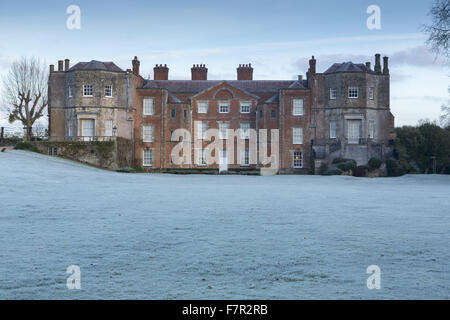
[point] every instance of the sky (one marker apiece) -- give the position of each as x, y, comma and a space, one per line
276, 37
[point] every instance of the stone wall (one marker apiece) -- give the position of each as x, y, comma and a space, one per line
110, 155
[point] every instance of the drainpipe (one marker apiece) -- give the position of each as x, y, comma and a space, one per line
130, 118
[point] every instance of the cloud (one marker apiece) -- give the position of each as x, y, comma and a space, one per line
420, 56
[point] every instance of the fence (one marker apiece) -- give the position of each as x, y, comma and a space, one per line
8, 132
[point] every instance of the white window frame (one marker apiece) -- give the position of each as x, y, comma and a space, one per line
244, 157
147, 136
296, 161
333, 93
353, 92
297, 135
202, 106
333, 129
371, 128
245, 130
201, 129
70, 92
351, 137
201, 157
85, 128
148, 157
88, 88
224, 104
108, 89
245, 104
371, 93
148, 110
108, 128
70, 128
223, 130
296, 111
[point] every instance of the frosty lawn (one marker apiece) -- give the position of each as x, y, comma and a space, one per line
212, 237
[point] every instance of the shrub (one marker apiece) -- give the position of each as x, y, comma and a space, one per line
332, 171
345, 164
374, 163
394, 169
138, 169
26, 146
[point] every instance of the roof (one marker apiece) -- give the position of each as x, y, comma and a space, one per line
96, 65
194, 86
348, 67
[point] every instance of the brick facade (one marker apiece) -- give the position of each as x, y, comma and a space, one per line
302, 110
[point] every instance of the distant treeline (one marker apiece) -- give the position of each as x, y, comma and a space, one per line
423, 149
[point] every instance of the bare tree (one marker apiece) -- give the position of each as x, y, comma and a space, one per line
25, 92
439, 30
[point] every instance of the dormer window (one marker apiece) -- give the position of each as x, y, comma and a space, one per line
87, 90
353, 92
108, 91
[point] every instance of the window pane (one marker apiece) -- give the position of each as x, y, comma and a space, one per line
354, 131
353, 92
108, 128
297, 135
332, 129
147, 133
245, 130
148, 106
202, 107
297, 107
148, 157
224, 107
297, 159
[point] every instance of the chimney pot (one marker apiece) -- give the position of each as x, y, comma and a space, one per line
368, 65
385, 65
161, 72
199, 72
245, 72
66, 64
60, 65
52, 68
136, 65
377, 67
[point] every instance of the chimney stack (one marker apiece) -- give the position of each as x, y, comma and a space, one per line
377, 68
245, 72
368, 65
161, 72
52, 68
312, 67
66, 65
60, 65
135, 62
199, 72
385, 65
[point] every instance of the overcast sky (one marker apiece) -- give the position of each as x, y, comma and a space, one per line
277, 37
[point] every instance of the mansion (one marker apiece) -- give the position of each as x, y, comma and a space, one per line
343, 112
